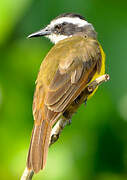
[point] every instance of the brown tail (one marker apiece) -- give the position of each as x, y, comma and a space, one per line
39, 147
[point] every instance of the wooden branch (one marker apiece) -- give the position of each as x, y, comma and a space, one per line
62, 122
57, 129
27, 174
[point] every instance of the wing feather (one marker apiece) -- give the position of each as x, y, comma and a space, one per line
58, 100
74, 71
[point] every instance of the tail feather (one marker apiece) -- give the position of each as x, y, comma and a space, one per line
29, 165
39, 147
46, 145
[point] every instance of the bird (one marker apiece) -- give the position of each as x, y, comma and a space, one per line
75, 60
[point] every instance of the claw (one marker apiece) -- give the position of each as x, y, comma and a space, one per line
69, 121
85, 102
54, 138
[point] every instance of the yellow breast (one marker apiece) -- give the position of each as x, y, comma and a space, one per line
102, 70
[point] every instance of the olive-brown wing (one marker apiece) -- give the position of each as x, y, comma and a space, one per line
66, 86
73, 73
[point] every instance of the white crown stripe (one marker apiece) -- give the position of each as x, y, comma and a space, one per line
78, 21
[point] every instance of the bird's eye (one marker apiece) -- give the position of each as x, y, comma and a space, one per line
58, 28
64, 23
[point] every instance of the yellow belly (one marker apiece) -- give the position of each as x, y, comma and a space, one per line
102, 70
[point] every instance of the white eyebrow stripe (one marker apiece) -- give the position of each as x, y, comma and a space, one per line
78, 21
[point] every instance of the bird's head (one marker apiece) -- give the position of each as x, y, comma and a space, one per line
64, 26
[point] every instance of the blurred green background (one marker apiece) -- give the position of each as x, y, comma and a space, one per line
94, 147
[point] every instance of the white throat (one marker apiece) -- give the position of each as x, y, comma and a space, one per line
54, 38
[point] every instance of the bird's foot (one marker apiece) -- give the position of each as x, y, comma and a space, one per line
85, 102
54, 138
69, 121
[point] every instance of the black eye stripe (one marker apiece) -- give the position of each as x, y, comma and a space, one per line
60, 25
64, 23
67, 28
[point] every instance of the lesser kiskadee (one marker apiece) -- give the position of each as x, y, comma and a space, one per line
75, 60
